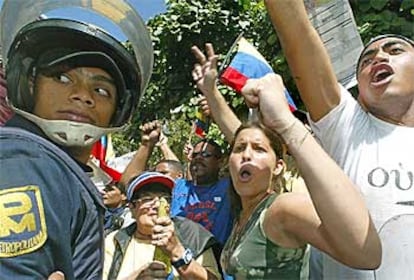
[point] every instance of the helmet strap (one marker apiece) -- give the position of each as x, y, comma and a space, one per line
69, 133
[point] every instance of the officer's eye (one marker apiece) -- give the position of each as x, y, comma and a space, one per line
103, 92
62, 78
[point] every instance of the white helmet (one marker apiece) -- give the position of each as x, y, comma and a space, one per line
48, 42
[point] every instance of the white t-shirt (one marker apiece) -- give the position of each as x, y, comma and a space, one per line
379, 159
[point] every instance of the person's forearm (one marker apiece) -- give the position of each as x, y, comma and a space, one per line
222, 114
167, 152
306, 55
344, 216
138, 163
195, 271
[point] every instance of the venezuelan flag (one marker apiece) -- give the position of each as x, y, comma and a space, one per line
246, 64
201, 125
102, 150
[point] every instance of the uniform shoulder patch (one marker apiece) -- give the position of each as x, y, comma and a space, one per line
22, 221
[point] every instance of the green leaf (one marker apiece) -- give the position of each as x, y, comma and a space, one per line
378, 4
406, 4
364, 6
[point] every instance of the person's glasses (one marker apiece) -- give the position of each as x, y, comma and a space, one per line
150, 199
204, 154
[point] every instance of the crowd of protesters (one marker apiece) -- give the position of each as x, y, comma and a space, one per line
179, 220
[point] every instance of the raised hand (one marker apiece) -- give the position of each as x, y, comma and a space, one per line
188, 151
164, 237
267, 94
205, 70
151, 132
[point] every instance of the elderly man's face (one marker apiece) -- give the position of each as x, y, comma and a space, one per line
84, 94
145, 208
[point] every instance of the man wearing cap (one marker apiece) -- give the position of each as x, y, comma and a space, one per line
69, 83
129, 252
370, 138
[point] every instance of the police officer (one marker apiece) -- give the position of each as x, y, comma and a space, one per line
69, 83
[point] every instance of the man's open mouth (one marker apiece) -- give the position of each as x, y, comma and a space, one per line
381, 75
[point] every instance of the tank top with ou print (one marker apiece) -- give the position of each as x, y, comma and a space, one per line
250, 255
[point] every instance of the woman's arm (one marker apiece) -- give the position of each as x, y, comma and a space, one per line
338, 222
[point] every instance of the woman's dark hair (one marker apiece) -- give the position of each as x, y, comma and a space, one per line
278, 182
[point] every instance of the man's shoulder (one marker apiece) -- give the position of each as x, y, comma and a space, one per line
17, 138
181, 184
41, 159
223, 182
20, 144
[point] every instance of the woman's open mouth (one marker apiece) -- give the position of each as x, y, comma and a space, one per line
245, 173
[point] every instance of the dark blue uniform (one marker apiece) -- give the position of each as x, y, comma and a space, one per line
51, 215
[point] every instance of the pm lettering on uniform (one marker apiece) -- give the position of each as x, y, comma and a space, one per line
22, 221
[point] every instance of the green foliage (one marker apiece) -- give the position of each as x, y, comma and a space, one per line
377, 17
196, 22
186, 23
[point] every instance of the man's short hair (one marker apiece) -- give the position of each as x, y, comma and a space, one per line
120, 187
173, 164
380, 37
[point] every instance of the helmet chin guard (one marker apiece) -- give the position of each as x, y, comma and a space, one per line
69, 133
